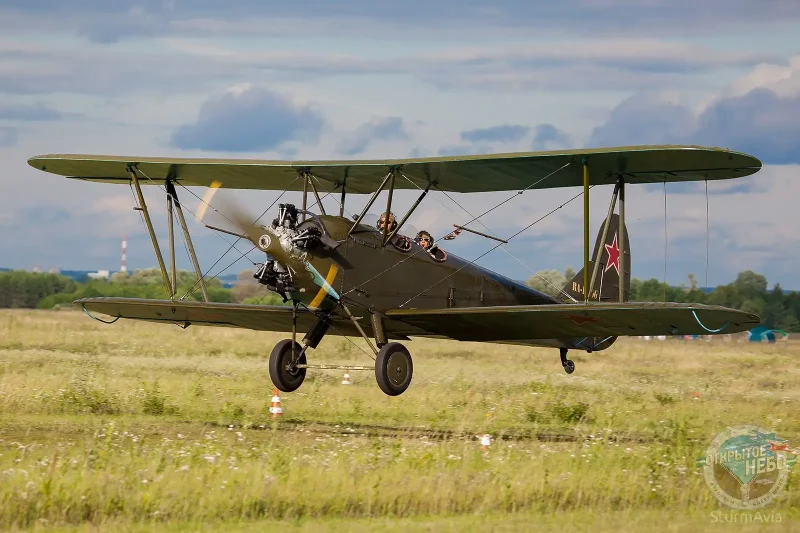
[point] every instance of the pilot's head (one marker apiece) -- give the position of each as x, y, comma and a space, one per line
382, 222
424, 239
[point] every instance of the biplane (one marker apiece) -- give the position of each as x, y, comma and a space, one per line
346, 276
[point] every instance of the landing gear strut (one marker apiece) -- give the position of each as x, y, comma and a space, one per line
393, 365
568, 364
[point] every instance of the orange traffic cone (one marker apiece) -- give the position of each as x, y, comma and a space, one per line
275, 406
346, 380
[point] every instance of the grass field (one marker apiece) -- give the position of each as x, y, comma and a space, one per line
137, 426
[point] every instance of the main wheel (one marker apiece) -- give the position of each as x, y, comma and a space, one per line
279, 359
393, 368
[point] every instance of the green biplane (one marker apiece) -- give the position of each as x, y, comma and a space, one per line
347, 277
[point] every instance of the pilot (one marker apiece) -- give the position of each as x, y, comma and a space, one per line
425, 240
382, 222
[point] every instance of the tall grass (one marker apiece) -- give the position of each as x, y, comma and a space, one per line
136, 422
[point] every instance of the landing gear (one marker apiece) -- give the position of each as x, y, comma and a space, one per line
393, 368
393, 365
283, 369
568, 364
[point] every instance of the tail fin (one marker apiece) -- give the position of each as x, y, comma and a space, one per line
606, 284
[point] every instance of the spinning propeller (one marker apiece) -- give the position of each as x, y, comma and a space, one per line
287, 245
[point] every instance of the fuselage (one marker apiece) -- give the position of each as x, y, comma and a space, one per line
379, 278
369, 276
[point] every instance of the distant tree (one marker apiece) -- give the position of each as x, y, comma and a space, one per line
119, 277
750, 285
775, 309
248, 287
266, 299
145, 283
20, 289
548, 281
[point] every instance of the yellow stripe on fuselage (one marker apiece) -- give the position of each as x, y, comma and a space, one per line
332, 271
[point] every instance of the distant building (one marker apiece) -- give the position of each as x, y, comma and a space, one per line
100, 274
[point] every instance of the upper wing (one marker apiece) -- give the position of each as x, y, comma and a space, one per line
472, 173
256, 317
564, 321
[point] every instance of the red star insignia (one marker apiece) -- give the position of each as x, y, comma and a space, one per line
580, 319
613, 255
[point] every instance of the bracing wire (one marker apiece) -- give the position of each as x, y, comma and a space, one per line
494, 247
535, 183
242, 256
665, 241
379, 274
232, 245
520, 261
337, 330
708, 236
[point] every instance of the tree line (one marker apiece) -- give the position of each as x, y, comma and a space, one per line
21, 289
749, 292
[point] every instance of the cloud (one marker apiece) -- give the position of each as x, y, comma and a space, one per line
645, 118
760, 122
30, 113
249, 119
464, 149
41, 215
485, 140
185, 64
378, 129
502, 134
100, 21
549, 137
8, 136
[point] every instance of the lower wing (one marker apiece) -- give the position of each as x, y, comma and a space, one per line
565, 321
182, 313
514, 324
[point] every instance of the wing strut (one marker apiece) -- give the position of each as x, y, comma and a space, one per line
585, 229
171, 225
195, 263
622, 262
344, 184
310, 178
143, 208
371, 201
611, 207
410, 211
388, 208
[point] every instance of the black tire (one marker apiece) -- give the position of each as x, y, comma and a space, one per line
569, 366
281, 356
393, 369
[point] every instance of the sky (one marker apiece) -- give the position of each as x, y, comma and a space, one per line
361, 79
